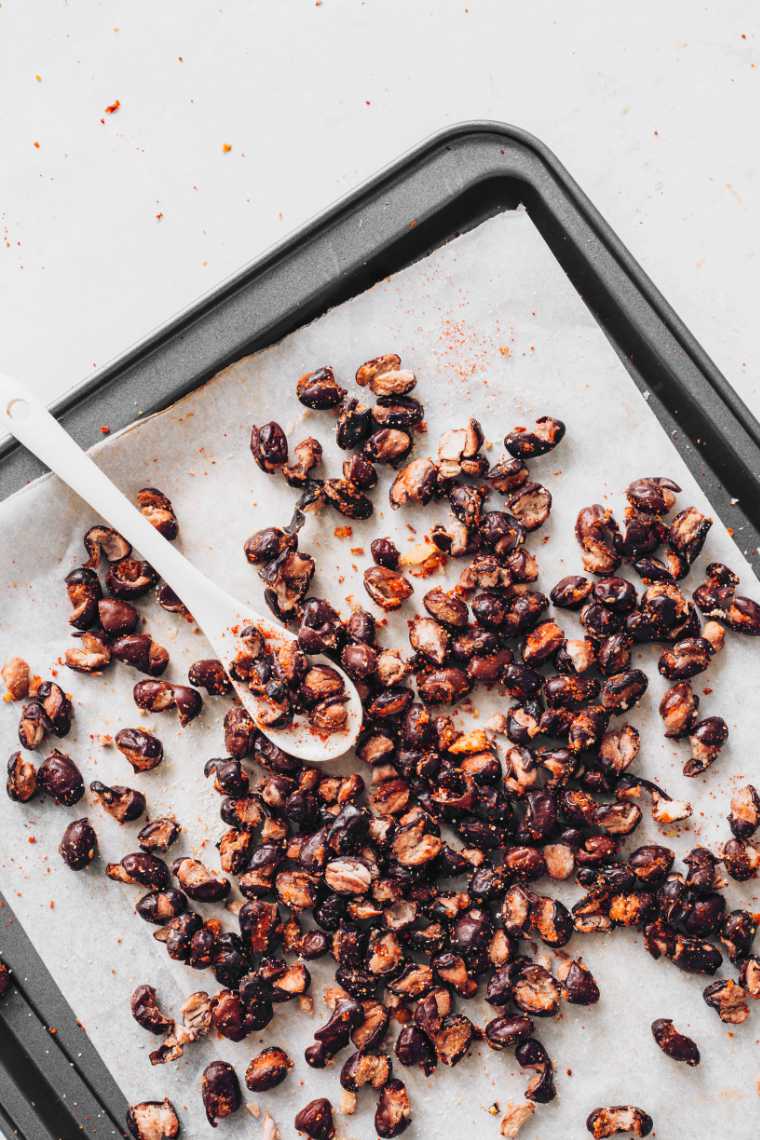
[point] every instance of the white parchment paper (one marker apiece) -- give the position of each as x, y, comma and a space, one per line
492, 328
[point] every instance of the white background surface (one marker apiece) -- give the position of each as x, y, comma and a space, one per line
653, 107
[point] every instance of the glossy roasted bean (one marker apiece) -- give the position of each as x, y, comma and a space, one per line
143, 750
79, 844
706, 738
741, 859
393, 1114
679, 709
599, 538
315, 1120
84, 591
531, 1054
744, 816
686, 659
158, 510
104, 542
617, 594
429, 638
140, 869
60, 778
130, 578
147, 1013
384, 553
159, 834
527, 443
653, 495
415, 483
161, 907
346, 498
220, 1091
387, 588
603, 1122
743, 616
354, 424
729, 1000
210, 674
268, 544
542, 642
531, 505
319, 389
124, 804
500, 533
619, 747
623, 690
269, 447
443, 686
674, 1044
21, 785
572, 592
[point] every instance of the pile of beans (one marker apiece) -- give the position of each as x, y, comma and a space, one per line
421, 873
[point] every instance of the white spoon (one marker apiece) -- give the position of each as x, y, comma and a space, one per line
214, 610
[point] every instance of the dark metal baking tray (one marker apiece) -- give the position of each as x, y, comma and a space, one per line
54, 1085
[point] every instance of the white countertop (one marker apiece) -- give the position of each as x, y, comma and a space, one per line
111, 223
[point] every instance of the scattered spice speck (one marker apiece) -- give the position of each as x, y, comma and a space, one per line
112, 108
226, 148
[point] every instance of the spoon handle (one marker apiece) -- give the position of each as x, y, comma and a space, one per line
26, 418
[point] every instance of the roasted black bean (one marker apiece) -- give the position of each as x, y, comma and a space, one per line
315, 1120
387, 588
269, 447
143, 750
267, 1069
210, 674
354, 424
572, 592
153, 1120
686, 659
79, 844
319, 389
104, 542
268, 544
84, 590
706, 739
59, 778
527, 443
687, 533
220, 1090
729, 1000
124, 804
158, 510
743, 616
130, 578
599, 538
21, 785
622, 690
393, 1114
618, 1118
744, 817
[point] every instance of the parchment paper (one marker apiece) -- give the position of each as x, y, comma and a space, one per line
492, 328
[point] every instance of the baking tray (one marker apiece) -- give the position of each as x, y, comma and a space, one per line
53, 1084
